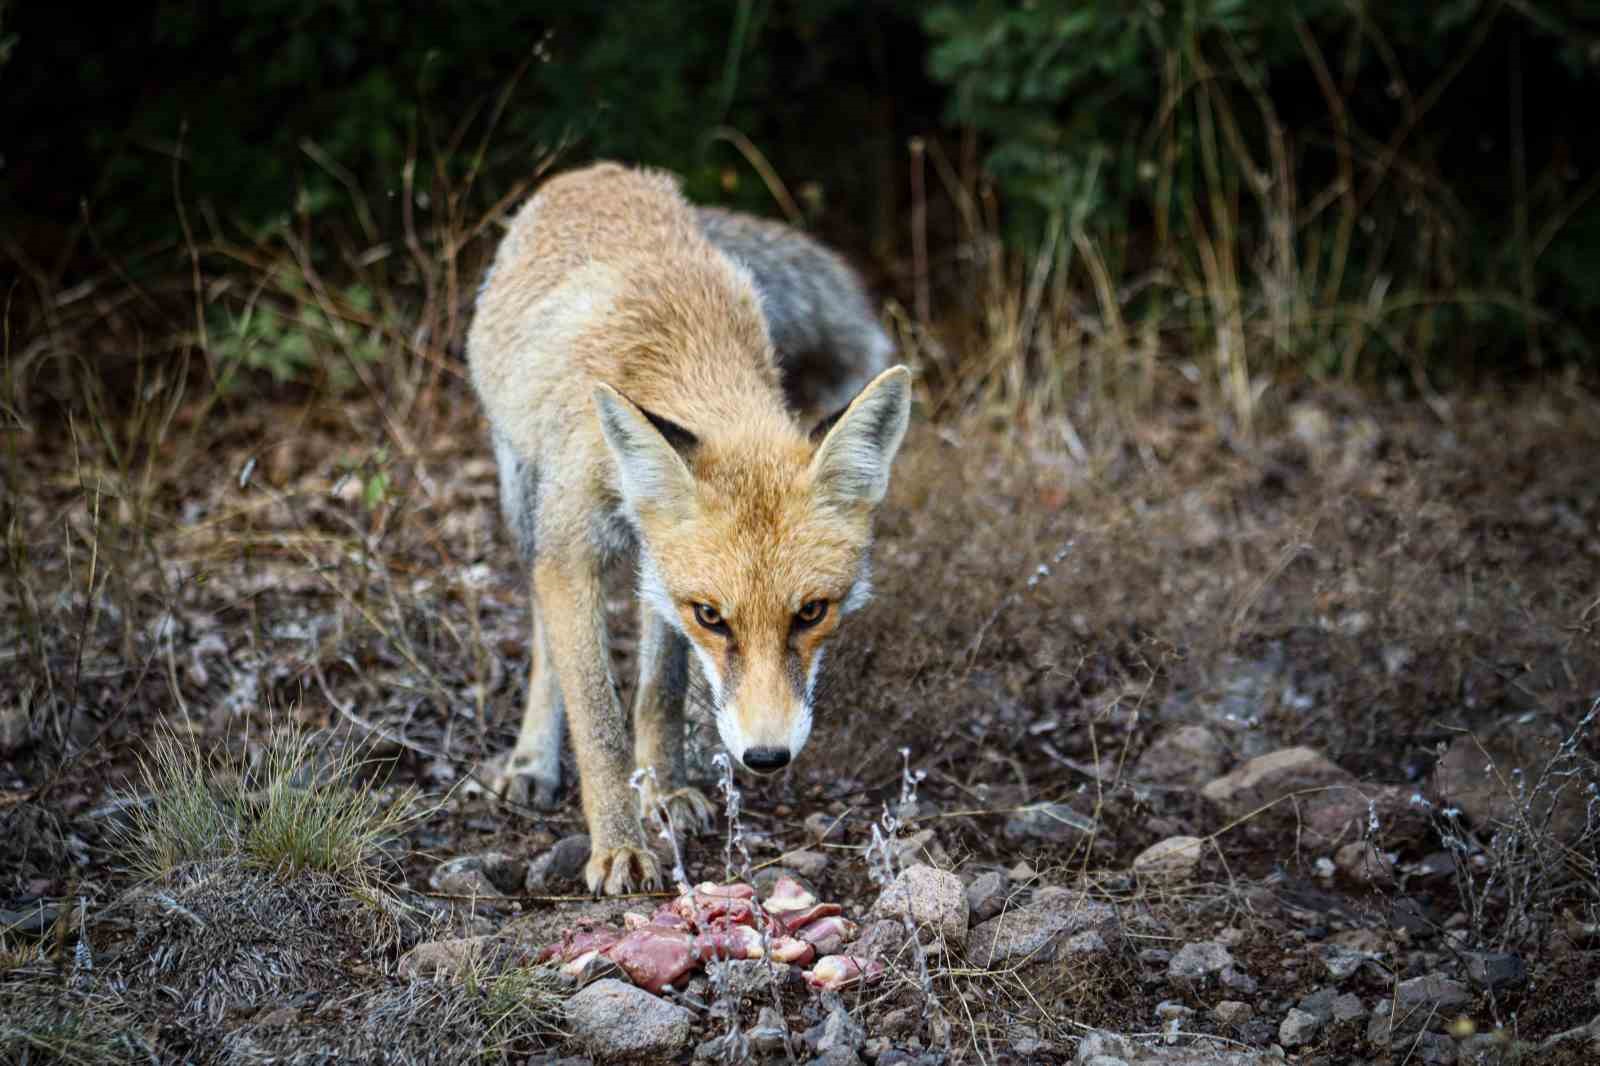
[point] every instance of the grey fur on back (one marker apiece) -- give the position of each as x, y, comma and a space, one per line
829, 342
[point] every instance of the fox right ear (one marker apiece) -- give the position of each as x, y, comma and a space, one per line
649, 452
851, 465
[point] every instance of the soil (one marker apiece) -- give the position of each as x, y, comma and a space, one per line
1368, 579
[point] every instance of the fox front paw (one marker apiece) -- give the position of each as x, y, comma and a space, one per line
619, 871
526, 778
687, 809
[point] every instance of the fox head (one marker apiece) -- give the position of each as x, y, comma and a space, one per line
754, 543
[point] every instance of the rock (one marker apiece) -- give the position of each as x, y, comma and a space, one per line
1272, 776
1430, 999
1337, 816
1102, 1045
1199, 960
1233, 1012
1342, 962
1496, 971
987, 894
1040, 931
1435, 1049
1298, 1027
615, 1020
1187, 756
930, 898
806, 863
880, 940
559, 870
822, 827
839, 1056
1169, 861
837, 1030
921, 847
770, 1035
1328, 1005
493, 873
1053, 822
1022, 873
1170, 1009
1484, 775
447, 958
746, 978
15, 728
1364, 864
1237, 981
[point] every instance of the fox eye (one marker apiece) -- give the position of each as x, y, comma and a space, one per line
810, 613
710, 617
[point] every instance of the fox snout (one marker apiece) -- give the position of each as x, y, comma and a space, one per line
766, 743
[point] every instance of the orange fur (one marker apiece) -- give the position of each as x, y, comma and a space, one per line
635, 400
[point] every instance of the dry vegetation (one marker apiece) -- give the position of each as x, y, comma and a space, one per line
1078, 557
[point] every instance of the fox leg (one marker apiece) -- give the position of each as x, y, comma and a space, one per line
658, 723
531, 772
568, 586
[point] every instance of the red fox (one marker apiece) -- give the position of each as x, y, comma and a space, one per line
636, 405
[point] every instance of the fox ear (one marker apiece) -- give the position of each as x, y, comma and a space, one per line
649, 451
851, 465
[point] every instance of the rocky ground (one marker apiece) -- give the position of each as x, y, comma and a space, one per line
1214, 753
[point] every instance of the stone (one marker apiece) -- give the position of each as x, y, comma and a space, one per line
746, 978
1170, 1009
806, 863
1271, 777
1187, 757
770, 1035
1434, 1049
1480, 775
1039, 931
1237, 981
987, 895
491, 874
447, 958
1050, 822
1298, 1027
615, 1020
1364, 864
1496, 971
1199, 959
838, 1056
559, 870
837, 1030
1429, 999
1170, 861
921, 847
1330, 1006
930, 898
881, 940
1341, 962
822, 827
1233, 1012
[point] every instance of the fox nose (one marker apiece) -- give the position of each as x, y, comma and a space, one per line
766, 760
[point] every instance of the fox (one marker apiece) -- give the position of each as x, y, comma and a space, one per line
623, 351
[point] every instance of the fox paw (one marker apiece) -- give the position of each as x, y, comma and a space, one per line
688, 808
619, 871
525, 778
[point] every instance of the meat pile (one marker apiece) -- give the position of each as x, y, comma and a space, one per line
712, 921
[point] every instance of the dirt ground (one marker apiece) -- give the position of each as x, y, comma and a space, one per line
1368, 580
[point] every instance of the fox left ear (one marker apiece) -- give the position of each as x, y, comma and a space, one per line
649, 451
851, 465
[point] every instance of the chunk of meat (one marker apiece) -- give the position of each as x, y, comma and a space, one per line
841, 971
654, 956
728, 940
788, 949
829, 934
799, 919
577, 941
788, 895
